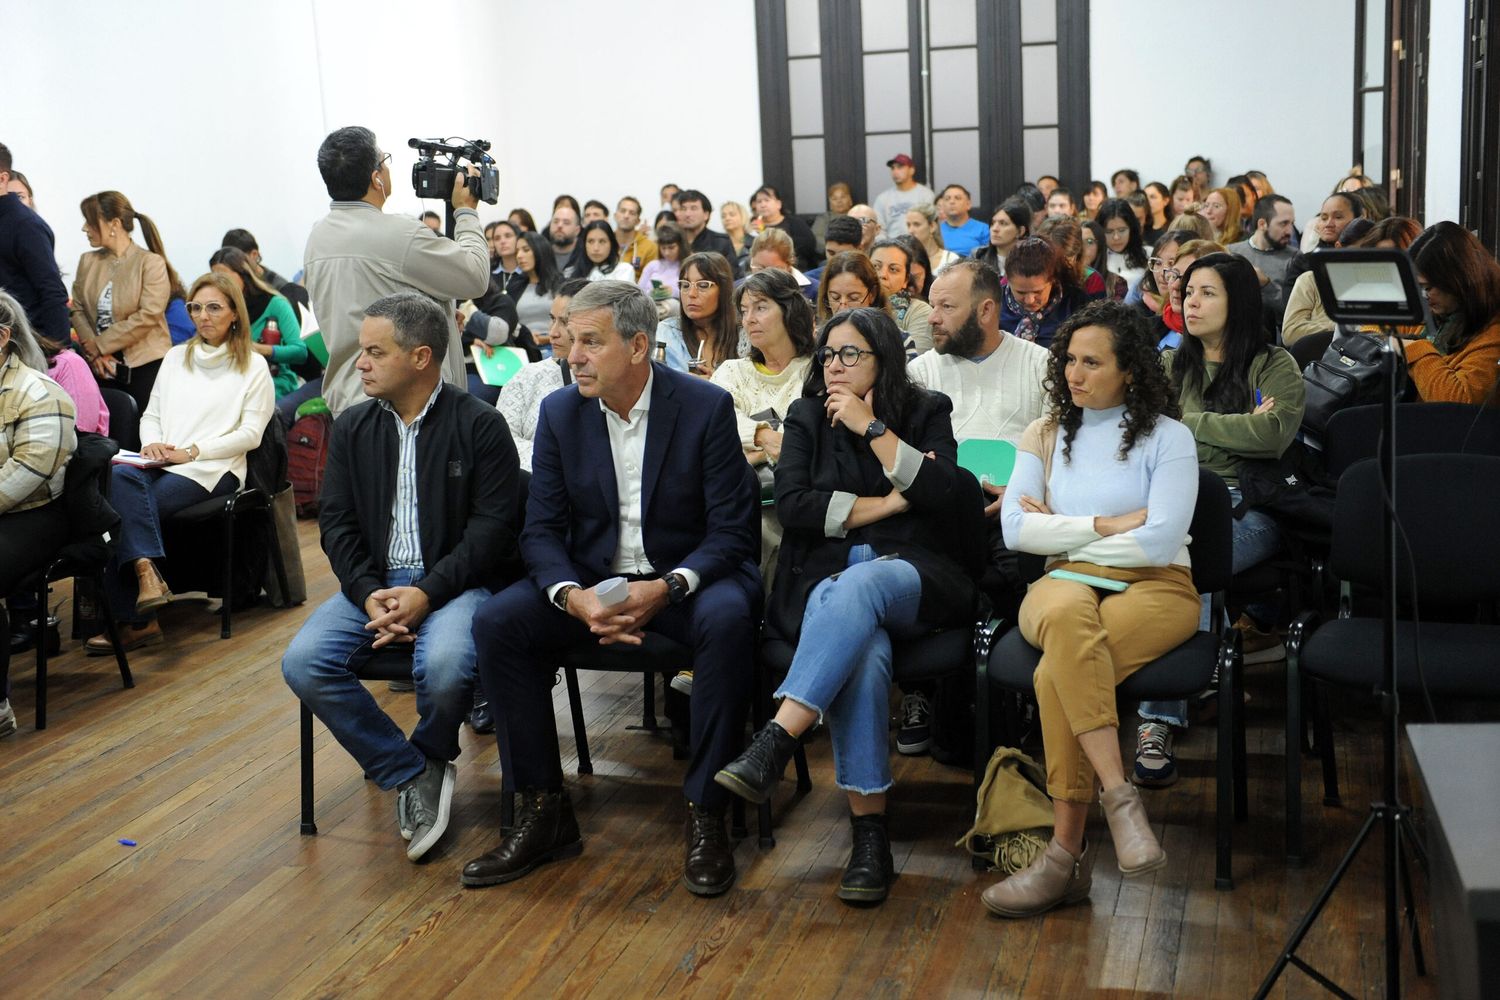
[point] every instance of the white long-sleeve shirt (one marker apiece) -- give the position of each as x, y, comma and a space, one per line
215, 406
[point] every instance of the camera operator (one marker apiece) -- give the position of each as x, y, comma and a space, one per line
357, 254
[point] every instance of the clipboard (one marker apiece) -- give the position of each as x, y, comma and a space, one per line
990, 459
500, 367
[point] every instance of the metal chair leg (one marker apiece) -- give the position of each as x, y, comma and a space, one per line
737, 827
225, 608
1224, 767
1323, 735
580, 735
112, 630
1293, 750
41, 654
309, 828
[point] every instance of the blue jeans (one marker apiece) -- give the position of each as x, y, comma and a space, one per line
842, 667
316, 668
144, 498
1256, 537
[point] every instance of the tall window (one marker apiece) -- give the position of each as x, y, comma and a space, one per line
980, 93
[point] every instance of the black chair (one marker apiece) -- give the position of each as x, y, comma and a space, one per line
1007, 662
86, 555
253, 498
1421, 429
1446, 559
1310, 348
124, 421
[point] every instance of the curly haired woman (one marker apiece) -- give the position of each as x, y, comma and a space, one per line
1104, 485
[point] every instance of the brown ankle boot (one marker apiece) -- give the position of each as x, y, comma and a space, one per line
131, 637
1054, 878
152, 590
1136, 847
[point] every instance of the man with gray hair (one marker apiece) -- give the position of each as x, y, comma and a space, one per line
418, 518
636, 473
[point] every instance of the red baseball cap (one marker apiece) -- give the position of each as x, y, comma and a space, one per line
901, 158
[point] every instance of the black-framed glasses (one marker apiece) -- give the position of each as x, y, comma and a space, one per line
383, 161
848, 356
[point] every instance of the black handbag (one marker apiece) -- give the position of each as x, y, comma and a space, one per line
1348, 374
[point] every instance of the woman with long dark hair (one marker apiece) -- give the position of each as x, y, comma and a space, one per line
1010, 224
536, 261
893, 260
1122, 238
1160, 212
1462, 284
883, 534
1104, 485
848, 282
597, 255
266, 306
1040, 291
1243, 400
708, 331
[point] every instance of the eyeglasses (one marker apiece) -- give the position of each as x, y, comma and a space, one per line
383, 161
212, 308
848, 356
1194, 171
1170, 274
839, 300
703, 286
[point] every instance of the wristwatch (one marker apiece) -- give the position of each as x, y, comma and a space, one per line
876, 428
561, 597
677, 588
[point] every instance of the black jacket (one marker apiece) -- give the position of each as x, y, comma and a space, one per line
719, 244
467, 498
942, 535
28, 269
803, 240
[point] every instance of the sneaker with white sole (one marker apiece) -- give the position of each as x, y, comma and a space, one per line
682, 683
1257, 646
915, 735
7, 717
1155, 765
429, 800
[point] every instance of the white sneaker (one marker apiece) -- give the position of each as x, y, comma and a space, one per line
7, 718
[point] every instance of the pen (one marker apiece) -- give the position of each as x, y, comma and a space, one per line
1257, 397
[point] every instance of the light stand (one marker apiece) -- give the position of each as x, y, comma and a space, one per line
1364, 287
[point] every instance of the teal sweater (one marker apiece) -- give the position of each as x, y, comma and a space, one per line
291, 351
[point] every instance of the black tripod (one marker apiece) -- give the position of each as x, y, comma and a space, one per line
1387, 812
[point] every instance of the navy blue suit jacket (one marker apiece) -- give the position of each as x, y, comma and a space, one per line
698, 501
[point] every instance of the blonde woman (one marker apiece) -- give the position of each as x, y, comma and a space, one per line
922, 222
209, 406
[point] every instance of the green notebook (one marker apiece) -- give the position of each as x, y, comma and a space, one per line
497, 368
314, 342
991, 460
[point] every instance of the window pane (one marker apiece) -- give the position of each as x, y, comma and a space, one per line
805, 79
1039, 146
801, 28
1374, 137
1039, 85
1375, 50
1038, 20
878, 149
884, 23
955, 160
955, 88
807, 175
951, 22
887, 93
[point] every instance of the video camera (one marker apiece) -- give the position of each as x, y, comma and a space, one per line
434, 179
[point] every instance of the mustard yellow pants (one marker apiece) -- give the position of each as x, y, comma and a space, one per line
1091, 640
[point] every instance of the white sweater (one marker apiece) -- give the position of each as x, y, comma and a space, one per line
995, 398
215, 406
754, 390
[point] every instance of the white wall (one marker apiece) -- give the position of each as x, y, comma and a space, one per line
1263, 86
209, 117
1445, 110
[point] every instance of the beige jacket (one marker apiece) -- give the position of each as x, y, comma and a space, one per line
357, 254
139, 300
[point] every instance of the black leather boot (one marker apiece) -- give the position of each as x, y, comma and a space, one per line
753, 773
871, 870
708, 867
545, 831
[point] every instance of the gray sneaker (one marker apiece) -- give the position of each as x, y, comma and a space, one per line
429, 797
403, 821
7, 717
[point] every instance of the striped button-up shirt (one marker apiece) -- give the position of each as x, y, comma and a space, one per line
36, 436
404, 550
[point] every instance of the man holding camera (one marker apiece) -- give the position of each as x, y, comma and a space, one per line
357, 254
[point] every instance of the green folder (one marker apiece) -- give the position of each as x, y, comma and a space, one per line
497, 368
991, 460
314, 342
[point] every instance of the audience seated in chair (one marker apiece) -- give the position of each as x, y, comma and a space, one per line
882, 541
521, 402
36, 438
636, 472
418, 518
209, 407
1104, 486
1462, 282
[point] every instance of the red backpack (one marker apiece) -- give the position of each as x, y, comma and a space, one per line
307, 453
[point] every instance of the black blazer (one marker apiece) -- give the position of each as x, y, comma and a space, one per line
467, 498
942, 535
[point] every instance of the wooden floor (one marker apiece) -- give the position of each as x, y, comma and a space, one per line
221, 897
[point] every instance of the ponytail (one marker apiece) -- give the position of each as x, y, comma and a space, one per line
154, 244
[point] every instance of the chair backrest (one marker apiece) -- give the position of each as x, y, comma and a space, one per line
124, 421
266, 463
1445, 505
1421, 429
1310, 348
86, 487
